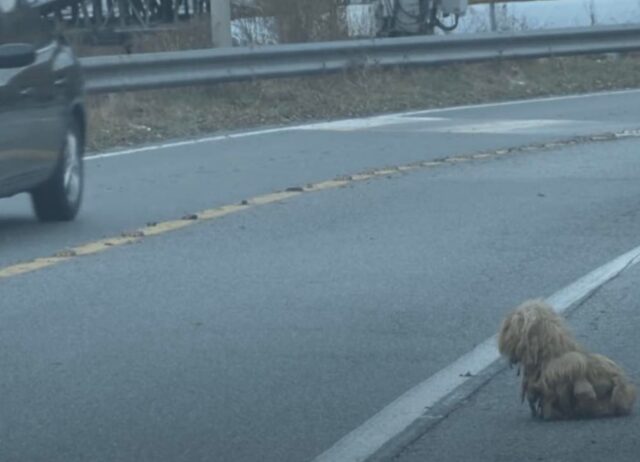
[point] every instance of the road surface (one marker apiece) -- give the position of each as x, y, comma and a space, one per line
273, 331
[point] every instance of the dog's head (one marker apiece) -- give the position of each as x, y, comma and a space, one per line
533, 333
513, 332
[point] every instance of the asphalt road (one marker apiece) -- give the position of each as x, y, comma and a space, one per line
272, 332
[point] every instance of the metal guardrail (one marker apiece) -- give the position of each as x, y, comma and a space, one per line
174, 69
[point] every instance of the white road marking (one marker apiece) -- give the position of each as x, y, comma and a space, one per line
177, 144
365, 123
364, 441
497, 126
210, 139
547, 99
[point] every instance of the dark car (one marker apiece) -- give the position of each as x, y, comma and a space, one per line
42, 116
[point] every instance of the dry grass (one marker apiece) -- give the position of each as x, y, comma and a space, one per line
134, 118
180, 36
191, 35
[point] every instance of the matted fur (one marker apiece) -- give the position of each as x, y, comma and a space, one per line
560, 379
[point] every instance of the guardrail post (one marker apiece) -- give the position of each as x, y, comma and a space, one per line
492, 16
221, 23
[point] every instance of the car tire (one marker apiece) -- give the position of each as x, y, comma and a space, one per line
59, 198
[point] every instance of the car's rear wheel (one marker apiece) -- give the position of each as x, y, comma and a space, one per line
59, 198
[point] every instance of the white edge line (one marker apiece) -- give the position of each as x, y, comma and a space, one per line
364, 441
210, 139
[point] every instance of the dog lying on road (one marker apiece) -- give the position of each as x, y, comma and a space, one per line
560, 379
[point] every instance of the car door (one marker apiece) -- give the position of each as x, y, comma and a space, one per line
31, 118
12, 115
9, 138
47, 81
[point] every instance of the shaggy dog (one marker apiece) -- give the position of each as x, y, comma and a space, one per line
560, 379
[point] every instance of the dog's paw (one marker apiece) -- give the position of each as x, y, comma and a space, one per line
535, 405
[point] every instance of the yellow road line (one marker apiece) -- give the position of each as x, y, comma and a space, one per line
273, 197
34, 265
155, 229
